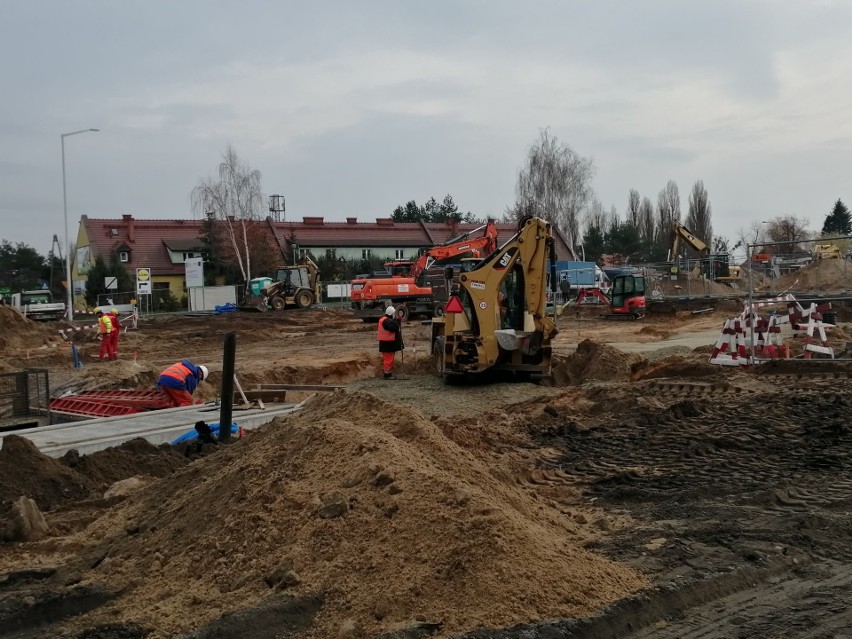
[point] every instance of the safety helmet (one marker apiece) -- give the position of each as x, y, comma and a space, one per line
204, 372
390, 310
114, 311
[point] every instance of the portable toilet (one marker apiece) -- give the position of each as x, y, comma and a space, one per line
258, 284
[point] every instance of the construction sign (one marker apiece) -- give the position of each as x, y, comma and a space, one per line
143, 281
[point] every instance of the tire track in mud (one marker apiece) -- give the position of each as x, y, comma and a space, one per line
723, 481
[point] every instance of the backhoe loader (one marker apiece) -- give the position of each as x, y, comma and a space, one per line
495, 318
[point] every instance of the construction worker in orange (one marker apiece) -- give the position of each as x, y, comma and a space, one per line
390, 340
116, 332
105, 335
180, 380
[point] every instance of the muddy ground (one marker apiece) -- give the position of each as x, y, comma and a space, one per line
637, 494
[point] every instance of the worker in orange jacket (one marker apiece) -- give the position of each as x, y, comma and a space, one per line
116, 332
105, 335
180, 380
390, 340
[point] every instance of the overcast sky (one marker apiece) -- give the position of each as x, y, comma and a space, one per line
351, 108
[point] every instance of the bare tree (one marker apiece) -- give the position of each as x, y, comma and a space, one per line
668, 207
633, 206
596, 216
754, 235
698, 219
235, 200
647, 228
790, 230
556, 184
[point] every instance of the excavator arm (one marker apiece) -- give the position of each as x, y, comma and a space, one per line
681, 233
497, 318
487, 243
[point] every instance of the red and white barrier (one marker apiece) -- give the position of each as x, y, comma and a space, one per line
749, 329
131, 321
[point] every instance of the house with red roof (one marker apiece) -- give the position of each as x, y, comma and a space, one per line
162, 246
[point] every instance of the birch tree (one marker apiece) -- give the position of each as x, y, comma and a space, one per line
235, 200
555, 184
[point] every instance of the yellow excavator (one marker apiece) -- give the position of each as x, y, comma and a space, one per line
496, 316
717, 266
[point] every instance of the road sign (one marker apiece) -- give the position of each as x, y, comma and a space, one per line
194, 272
111, 283
143, 281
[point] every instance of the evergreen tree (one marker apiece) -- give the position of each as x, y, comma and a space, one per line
21, 267
839, 221
594, 243
432, 211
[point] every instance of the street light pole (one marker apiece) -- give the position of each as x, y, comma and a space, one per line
69, 285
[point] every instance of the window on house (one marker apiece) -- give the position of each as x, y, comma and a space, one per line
366, 254
161, 286
399, 254
114, 232
124, 256
189, 255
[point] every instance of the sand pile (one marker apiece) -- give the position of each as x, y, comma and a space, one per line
358, 500
821, 275
594, 361
18, 332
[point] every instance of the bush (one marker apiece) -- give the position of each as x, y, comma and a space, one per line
165, 301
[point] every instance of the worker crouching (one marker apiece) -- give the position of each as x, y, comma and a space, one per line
390, 340
180, 380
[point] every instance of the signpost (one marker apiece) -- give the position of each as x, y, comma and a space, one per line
111, 283
194, 280
194, 272
144, 288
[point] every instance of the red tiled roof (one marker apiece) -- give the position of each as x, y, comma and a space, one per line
145, 239
321, 234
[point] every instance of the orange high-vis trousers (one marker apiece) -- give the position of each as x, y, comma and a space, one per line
387, 362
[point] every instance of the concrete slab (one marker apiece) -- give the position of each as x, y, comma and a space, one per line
157, 427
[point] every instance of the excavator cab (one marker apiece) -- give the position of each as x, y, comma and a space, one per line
628, 296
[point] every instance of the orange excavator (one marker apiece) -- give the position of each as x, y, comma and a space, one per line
403, 286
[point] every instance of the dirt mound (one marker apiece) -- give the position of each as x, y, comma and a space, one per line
18, 332
117, 374
594, 361
26, 471
659, 333
823, 275
690, 288
679, 366
359, 500
132, 458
